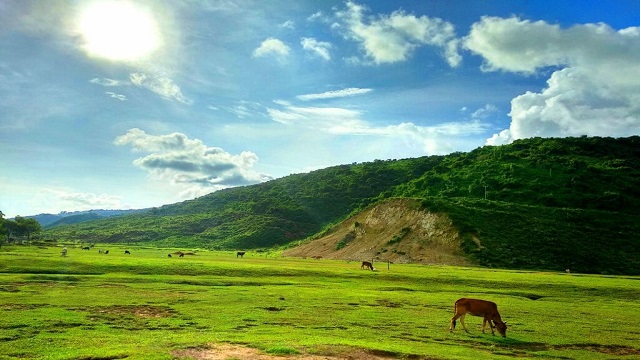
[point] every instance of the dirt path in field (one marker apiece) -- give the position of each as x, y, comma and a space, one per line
396, 230
235, 352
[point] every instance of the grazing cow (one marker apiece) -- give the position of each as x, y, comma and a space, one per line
169, 255
85, 248
568, 271
366, 265
106, 251
127, 252
64, 251
181, 254
100, 251
487, 309
240, 253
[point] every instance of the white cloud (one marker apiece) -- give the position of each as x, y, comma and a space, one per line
316, 16
160, 85
334, 94
272, 46
323, 118
141, 141
245, 109
288, 25
108, 82
595, 91
319, 48
90, 200
484, 112
83, 201
394, 38
116, 96
345, 122
189, 163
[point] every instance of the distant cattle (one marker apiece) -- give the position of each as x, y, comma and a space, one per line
169, 255
181, 254
127, 252
64, 252
85, 248
568, 271
106, 251
100, 251
240, 253
366, 265
487, 309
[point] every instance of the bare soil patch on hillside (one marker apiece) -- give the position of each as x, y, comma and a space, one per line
397, 230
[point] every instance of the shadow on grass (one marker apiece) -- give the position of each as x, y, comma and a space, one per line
517, 347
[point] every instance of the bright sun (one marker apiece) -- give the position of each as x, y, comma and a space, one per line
118, 30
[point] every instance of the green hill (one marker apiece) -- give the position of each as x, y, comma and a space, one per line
585, 173
460, 231
516, 236
554, 195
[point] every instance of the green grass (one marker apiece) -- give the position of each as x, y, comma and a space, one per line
145, 305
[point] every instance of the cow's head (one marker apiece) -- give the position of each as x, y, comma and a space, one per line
501, 327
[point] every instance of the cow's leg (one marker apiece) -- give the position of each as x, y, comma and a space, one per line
462, 322
493, 323
452, 325
453, 321
491, 326
486, 321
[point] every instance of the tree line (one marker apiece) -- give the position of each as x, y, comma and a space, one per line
19, 227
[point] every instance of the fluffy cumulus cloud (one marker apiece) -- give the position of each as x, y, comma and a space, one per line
191, 163
273, 47
393, 38
593, 88
347, 122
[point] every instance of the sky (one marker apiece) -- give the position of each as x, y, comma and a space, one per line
123, 104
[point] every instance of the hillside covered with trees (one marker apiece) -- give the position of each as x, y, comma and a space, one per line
568, 192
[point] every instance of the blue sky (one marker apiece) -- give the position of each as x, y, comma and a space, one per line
115, 104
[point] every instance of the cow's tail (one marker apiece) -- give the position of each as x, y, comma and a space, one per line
455, 311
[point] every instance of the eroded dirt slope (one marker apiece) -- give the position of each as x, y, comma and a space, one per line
397, 230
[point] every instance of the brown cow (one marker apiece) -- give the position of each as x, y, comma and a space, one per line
240, 253
487, 309
366, 265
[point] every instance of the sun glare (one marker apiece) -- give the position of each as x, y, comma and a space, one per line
118, 30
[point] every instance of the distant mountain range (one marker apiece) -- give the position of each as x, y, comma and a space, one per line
74, 217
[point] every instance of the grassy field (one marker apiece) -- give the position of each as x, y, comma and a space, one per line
145, 305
